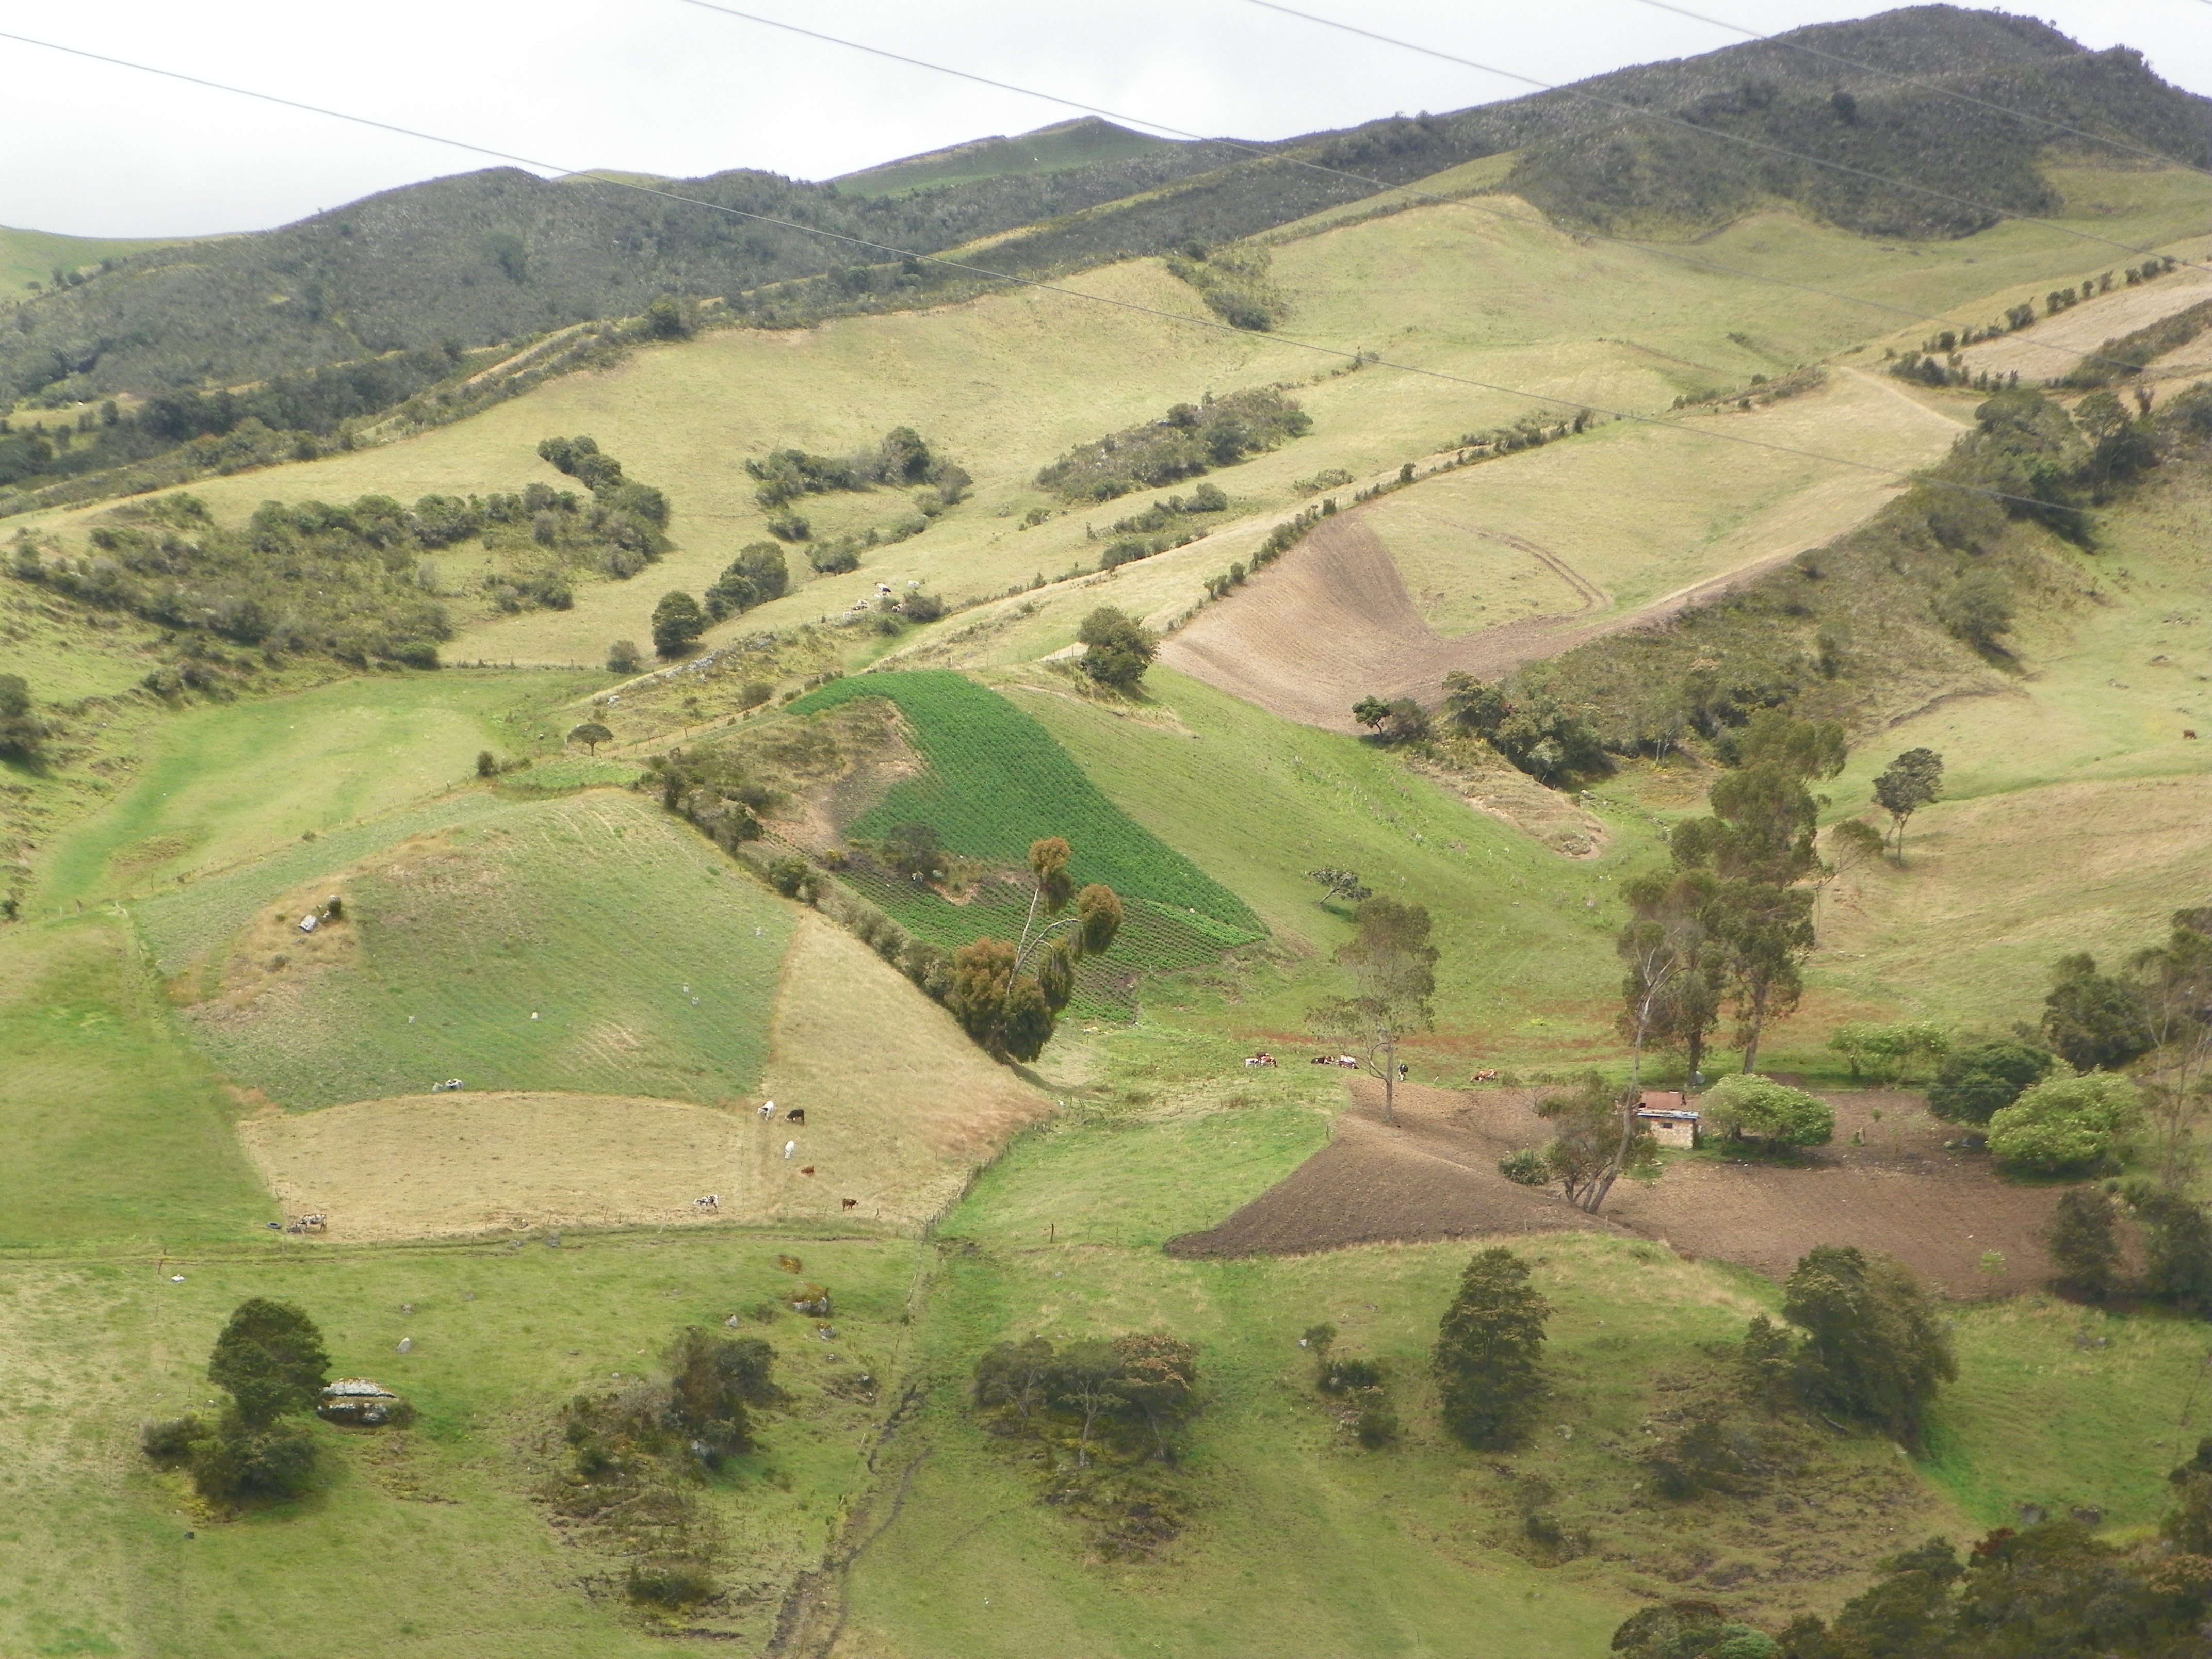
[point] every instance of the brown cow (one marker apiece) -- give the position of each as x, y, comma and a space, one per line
847, 1203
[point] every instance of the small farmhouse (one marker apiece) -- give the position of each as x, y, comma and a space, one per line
1670, 1117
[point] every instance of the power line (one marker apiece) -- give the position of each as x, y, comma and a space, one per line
1041, 286
1783, 40
1277, 154
1709, 132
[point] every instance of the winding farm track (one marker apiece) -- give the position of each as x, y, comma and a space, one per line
1331, 623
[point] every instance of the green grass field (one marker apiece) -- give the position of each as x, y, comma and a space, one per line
1262, 802
33, 256
427, 1541
225, 781
593, 943
115, 1129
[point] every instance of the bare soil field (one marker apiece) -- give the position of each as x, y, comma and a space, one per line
1435, 1176
899, 1109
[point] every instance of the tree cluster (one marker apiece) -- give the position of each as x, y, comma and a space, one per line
1530, 728
1730, 924
1008, 996
904, 460
714, 791
271, 1360
1190, 439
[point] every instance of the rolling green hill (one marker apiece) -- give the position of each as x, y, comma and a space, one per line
1060, 148
29, 258
588, 944
171, 1042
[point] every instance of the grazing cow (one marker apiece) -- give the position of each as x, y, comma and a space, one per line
768, 1110
1484, 1076
847, 1203
789, 1148
313, 1223
796, 1114
712, 1201
809, 1169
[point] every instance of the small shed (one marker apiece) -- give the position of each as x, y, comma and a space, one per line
356, 1400
1670, 1117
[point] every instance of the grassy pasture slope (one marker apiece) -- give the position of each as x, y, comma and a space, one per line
2075, 812
1261, 801
113, 1129
32, 256
225, 781
426, 1543
1007, 383
591, 943
1627, 510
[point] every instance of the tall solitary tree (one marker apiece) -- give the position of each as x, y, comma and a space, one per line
1668, 994
1394, 972
590, 734
1489, 1349
677, 623
1596, 1139
2084, 1246
1914, 780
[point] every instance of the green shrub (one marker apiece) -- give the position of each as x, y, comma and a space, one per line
2067, 1123
1766, 1110
169, 1440
1526, 1167
1974, 1083
237, 1460
672, 1587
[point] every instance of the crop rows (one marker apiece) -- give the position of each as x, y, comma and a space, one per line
997, 780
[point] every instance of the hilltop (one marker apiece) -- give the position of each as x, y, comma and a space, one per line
501, 255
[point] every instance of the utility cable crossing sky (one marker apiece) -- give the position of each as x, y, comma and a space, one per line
1039, 285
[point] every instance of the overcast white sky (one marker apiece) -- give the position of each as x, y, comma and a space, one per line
660, 86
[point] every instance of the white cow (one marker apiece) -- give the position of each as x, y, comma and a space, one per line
789, 1148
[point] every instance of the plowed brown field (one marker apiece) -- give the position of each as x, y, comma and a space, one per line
1435, 1176
1331, 623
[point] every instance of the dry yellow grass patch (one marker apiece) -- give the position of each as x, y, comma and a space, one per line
420, 1165
900, 1105
900, 1108
2057, 343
